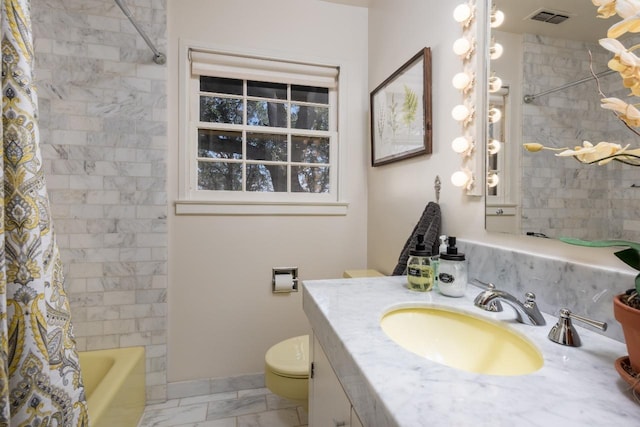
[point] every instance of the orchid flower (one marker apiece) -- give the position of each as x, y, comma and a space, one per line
627, 112
589, 153
627, 8
627, 25
623, 57
606, 8
623, 8
625, 62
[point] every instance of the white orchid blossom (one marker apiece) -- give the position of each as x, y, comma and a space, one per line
623, 8
626, 8
589, 153
606, 8
627, 112
625, 56
630, 24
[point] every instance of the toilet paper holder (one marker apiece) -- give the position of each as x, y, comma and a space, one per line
288, 274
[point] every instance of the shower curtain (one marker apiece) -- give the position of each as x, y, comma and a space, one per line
40, 380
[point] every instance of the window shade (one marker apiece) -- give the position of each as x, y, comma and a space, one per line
260, 69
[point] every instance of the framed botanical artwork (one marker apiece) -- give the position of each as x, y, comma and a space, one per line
401, 112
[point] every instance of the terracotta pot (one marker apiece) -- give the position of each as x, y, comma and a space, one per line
629, 318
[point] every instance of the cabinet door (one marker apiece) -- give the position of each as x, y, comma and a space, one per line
329, 406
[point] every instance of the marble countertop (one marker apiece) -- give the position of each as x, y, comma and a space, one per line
389, 386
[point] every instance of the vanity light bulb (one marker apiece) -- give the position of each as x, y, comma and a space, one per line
497, 18
494, 146
461, 144
495, 84
494, 115
496, 51
462, 12
460, 178
461, 46
493, 179
460, 112
461, 80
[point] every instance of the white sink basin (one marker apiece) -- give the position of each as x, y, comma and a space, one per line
462, 340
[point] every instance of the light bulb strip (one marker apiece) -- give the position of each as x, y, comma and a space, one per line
465, 83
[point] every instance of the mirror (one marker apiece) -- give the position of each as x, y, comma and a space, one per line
538, 193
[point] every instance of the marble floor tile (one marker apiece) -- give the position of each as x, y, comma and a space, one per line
235, 407
277, 418
247, 408
208, 398
171, 417
225, 422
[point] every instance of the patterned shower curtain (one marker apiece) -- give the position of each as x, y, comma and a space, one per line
40, 380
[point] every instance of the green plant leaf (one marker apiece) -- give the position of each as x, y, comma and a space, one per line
638, 283
629, 256
600, 243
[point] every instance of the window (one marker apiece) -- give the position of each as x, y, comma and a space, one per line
260, 132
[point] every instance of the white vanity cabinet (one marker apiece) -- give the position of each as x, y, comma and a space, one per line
329, 405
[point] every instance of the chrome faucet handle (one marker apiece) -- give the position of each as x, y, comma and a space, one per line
494, 305
534, 317
564, 333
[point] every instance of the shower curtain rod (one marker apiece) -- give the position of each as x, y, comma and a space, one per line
529, 98
158, 57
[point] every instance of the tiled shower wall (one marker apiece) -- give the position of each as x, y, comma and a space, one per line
103, 129
561, 197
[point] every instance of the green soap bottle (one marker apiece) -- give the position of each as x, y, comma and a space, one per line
419, 269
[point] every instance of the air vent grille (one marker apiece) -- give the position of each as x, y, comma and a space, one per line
549, 16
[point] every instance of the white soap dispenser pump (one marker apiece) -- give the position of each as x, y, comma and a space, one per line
435, 259
452, 271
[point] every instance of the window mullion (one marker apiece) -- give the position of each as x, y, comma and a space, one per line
289, 169
244, 135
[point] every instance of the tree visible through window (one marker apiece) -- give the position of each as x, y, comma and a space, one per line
256, 136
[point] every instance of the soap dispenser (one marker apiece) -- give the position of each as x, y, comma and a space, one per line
452, 271
419, 270
435, 259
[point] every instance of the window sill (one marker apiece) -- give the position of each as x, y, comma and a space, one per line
187, 207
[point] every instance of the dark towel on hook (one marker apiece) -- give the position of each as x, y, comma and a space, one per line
429, 225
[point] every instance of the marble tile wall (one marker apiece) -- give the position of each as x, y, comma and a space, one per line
562, 197
103, 128
585, 290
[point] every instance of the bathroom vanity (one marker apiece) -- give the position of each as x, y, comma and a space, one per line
383, 384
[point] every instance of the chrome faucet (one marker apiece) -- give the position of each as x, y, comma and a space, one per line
526, 312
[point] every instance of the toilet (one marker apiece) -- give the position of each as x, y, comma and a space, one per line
286, 370
286, 364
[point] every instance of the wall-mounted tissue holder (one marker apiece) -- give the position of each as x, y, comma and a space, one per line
284, 279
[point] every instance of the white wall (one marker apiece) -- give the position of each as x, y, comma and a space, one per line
398, 192
222, 314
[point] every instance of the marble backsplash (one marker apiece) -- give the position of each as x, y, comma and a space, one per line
585, 290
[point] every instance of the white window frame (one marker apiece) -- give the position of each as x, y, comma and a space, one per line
193, 202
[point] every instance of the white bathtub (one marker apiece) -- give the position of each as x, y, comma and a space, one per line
114, 382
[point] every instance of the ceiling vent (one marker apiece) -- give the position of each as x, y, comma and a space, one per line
550, 16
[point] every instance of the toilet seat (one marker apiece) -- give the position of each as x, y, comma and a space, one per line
289, 358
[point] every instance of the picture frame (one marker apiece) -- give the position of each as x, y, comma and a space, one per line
401, 112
